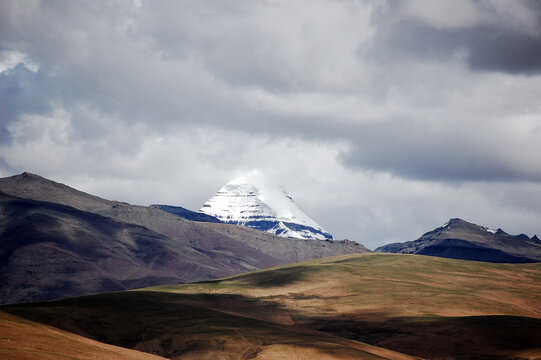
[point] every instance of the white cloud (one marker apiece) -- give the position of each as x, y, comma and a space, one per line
39, 141
9, 59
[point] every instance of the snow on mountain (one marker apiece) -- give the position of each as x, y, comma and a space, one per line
263, 207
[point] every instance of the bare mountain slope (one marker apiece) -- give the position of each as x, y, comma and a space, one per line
32, 186
289, 249
48, 251
459, 239
186, 214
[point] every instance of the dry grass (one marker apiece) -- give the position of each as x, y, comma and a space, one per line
401, 285
161, 323
21, 339
467, 309
330, 308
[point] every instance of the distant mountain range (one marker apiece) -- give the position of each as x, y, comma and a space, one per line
187, 214
459, 239
263, 207
56, 241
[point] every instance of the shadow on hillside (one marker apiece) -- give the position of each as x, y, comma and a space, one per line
170, 325
277, 277
472, 337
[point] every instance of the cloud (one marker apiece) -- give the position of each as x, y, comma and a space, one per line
416, 150
10, 59
379, 118
276, 45
491, 35
507, 52
443, 15
517, 16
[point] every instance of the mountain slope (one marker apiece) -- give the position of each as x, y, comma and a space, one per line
290, 250
264, 208
21, 339
458, 239
186, 214
35, 187
50, 250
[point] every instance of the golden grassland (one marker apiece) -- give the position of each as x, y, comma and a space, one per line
368, 306
467, 309
27, 340
397, 285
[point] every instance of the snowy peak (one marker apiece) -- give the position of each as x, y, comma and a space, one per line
459, 224
263, 207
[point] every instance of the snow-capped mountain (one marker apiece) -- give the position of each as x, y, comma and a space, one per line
262, 207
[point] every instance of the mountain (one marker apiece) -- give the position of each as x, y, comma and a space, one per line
264, 208
459, 239
57, 231
289, 250
368, 306
48, 251
186, 214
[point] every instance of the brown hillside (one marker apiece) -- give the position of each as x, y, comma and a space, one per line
22, 339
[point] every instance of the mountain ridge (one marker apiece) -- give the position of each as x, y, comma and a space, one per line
51, 250
186, 214
459, 239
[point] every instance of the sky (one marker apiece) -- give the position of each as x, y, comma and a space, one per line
382, 119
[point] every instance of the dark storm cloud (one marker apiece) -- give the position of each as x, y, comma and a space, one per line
493, 50
470, 143
486, 47
410, 149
